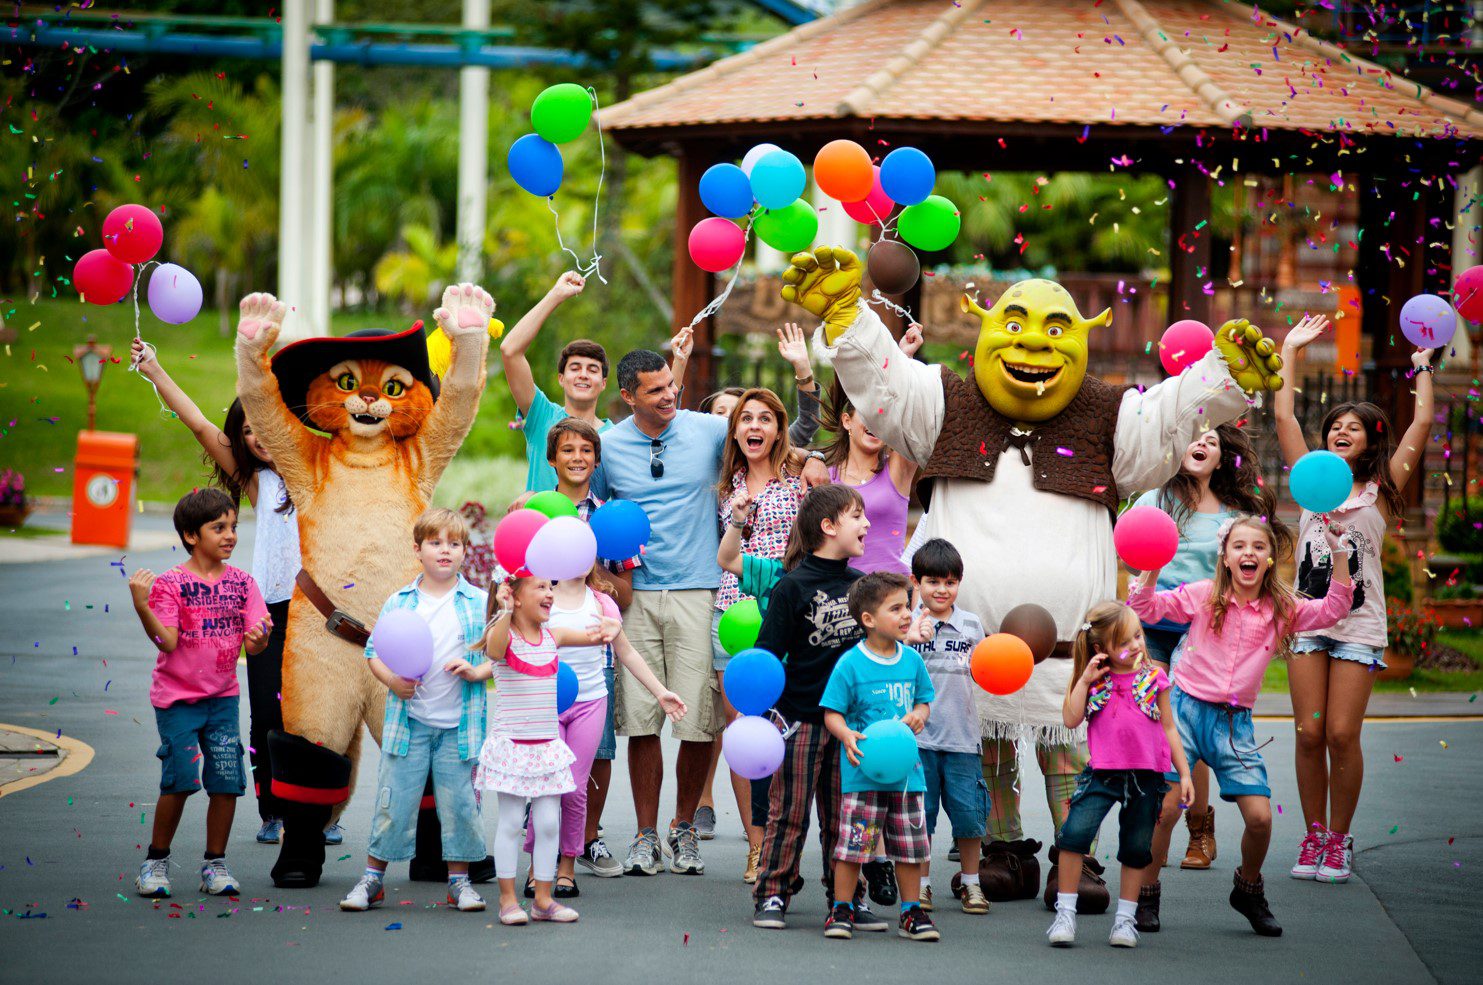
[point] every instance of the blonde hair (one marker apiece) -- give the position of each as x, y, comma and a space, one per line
1284, 601
440, 521
1107, 628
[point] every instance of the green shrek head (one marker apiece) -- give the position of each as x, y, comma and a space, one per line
1032, 350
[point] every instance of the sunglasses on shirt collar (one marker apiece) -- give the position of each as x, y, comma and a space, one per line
656, 467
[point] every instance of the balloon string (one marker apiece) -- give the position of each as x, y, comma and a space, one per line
720, 299
788, 730
601, 174
150, 352
585, 268
876, 297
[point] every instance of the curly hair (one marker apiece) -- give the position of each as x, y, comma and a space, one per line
1236, 483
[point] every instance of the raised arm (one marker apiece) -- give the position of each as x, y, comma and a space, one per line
464, 318
1289, 432
729, 555
207, 434
513, 346
680, 348
276, 427
1412, 448
793, 347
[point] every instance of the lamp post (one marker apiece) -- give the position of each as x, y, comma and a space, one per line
91, 358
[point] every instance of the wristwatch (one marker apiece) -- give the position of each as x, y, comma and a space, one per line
803, 381
1426, 368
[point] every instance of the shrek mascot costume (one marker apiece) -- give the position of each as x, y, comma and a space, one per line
1023, 468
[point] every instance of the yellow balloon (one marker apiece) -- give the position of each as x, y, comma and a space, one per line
440, 349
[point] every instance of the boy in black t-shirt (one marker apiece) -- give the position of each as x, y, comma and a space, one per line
808, 625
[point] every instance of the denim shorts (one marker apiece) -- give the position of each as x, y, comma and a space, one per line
399, 795
719, 657
1161, 643
1370, 656
607, 748
955, 781
1138, 794
1223, 738
205, 732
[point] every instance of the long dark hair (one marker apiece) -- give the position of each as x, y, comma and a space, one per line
1372, 464
837, 452
245, 463
1236, 483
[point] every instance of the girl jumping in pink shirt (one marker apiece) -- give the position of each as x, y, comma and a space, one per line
1238, 622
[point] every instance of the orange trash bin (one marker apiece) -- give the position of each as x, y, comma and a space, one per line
103, 487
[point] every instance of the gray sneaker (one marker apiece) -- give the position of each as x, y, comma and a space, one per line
596, 858
643, 855
684, 850
705, 822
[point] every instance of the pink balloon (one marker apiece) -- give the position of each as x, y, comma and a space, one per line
717, 244
513, 536
1146, 538
133, 233
1183, 344
876, 206
102, 278
1467, 296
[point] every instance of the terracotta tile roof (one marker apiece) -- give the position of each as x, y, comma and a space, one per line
1120, 62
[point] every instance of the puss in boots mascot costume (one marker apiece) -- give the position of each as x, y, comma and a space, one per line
387, 428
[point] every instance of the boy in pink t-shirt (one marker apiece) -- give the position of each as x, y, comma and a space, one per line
200, 614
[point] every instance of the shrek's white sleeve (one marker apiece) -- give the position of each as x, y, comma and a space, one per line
1155, 426
899, 398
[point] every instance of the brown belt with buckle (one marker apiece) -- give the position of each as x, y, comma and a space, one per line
347, 627
1061, 652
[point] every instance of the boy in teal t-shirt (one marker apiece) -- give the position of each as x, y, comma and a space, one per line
877, 679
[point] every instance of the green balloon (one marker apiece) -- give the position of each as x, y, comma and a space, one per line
739, 626
930, 225
789, 229
562, 112
551, 503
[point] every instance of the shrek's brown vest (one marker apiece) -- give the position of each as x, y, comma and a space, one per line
1070, 453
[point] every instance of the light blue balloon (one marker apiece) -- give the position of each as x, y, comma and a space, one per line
907, 176
535, 164
1320, 481
888, 753
778, 179
725, 190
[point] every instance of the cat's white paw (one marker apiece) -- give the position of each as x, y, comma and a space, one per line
262, 319
466, 310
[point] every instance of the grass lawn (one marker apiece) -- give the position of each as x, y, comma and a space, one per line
1470, 643
43, 404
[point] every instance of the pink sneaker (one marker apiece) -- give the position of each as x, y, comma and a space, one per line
1338, 857
1310, 853
557, 913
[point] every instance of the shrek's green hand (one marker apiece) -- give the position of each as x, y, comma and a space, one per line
826, 283
1250, 356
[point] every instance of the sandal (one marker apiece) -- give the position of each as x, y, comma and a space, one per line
513, 916
556, 913
530, 887
566, 888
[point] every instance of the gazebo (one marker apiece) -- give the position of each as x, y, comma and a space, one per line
1187, 89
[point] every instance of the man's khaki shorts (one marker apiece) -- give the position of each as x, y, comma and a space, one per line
671, 629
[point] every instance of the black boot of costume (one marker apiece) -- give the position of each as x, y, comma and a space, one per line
428, 865
308, 780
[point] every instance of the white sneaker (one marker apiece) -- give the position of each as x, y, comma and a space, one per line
1310, 853
462, 895
1124, 932
154, 878
216, 880
367, 893
1062, 932
643, 856
1338, 859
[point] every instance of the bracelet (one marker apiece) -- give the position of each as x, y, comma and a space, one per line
1426, 368
738, 524
818, 455
803, 381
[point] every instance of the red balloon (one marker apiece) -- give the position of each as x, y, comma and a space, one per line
1146, 538
1183, 344
717, 244
102, 278
133, 233
1001, 663
876, 206
513, 536
1467, 296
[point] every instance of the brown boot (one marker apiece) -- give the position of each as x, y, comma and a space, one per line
1092, 895
1010, 870
1201, 851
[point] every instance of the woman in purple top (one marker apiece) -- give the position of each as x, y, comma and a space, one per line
883, 478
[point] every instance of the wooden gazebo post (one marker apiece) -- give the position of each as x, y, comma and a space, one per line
692, 286
1189, 248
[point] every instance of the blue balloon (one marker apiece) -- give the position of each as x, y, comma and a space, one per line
1320, 481
535, 164
566, 688
888, 753
621, 527
907, 176
777, 179
725, 190
753, 681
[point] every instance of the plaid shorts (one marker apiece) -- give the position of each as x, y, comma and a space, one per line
864, 815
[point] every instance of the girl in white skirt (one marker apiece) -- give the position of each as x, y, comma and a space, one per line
524, 757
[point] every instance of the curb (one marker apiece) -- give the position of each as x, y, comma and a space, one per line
78, 755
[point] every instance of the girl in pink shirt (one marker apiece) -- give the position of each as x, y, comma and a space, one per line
1238, 623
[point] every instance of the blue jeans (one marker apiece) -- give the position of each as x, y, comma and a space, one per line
1160, 643
607, 747
1371, 656
399, 794
955, 781
1223, 738
205, 732
1137, 794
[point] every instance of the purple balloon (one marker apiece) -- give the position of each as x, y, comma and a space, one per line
404, 642
174, 294
753, 747
1428, 321
563, 548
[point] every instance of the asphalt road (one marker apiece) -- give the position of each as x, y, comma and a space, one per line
72, 657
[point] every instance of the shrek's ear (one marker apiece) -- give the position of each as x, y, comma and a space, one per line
967, 304
1102, 320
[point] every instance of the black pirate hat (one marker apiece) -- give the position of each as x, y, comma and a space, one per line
298, 363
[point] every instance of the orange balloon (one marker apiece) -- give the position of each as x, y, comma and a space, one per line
1001, 664
842, 171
